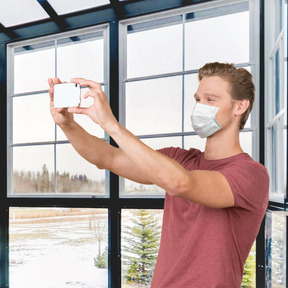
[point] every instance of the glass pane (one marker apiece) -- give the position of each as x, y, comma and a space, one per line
278, 16
83, 120
226, 40
275, 246
154, 47
15, 12
154, 106
246, 142
249, 273
277, 83
76, 175
32, 121
284, 184
274, 154
33, 168
83, 59
140, 240
68, 6
58, 247
191, 86
194, 141
28, 74
133, 188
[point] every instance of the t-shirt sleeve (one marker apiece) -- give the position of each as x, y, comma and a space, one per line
249, 183
171, 152
178, 154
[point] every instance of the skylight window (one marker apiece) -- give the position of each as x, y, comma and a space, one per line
16, 12
69, 6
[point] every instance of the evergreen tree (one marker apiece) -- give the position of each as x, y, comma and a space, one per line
249, 276
44, 184
101, 261
142, 247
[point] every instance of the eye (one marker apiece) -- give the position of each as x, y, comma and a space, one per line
210, 99
197, 99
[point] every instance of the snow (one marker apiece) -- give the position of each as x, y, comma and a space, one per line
55, 255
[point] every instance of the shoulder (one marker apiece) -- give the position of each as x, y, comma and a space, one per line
248, 179
180, 154
244, 164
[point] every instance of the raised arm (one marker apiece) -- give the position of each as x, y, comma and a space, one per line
94, 150
209, 188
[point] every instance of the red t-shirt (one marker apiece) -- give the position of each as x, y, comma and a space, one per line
205, 247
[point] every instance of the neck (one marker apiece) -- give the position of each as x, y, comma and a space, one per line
222, 145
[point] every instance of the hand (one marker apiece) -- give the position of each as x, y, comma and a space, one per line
100, 111
61, 116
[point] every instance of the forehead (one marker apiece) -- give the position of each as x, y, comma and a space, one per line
213, 85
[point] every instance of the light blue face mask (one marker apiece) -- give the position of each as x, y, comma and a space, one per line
203, 120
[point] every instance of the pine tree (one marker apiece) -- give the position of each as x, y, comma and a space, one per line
142, 247
44, 179
248, 280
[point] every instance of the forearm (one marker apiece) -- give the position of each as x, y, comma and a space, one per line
156, 167
93, 149
214, 192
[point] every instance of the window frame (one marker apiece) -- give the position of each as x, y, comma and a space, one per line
104, 28
254, 64
127, 10
274, 119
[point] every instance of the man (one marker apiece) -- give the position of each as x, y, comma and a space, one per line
215, 200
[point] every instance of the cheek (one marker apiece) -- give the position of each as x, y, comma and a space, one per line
224, 116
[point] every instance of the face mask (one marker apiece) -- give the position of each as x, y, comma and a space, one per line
203, 120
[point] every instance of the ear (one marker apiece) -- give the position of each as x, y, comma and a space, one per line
241, 106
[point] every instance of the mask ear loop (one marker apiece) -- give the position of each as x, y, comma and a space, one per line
213, 117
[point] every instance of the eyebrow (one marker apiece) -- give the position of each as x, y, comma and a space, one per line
207, 94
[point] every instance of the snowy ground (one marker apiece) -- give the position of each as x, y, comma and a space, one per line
55, 255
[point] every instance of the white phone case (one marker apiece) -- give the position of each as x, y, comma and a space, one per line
67, 95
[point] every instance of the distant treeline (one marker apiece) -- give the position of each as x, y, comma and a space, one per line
45, 182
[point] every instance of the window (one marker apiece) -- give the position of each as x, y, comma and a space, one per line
275, 241
58, 247
141, 230
41, 159
276, 99
160, 58
276, 141
160, 55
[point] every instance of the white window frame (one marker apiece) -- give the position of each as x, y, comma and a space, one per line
273, 44
10, 94
254, 63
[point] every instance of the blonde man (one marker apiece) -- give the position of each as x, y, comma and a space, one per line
215, 200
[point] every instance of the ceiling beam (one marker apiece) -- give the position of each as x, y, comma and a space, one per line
118, 8
60, 21
8, 32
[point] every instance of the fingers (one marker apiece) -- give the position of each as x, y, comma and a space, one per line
57, 80
51, 82
78, 110
51, 87
89, 94
88, 83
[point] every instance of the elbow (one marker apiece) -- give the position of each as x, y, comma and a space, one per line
99, 166
179, 187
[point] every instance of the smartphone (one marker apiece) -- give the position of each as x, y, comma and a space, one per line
67, 95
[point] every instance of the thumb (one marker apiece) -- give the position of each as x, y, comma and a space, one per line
78, 110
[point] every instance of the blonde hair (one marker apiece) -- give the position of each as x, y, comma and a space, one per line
240, 82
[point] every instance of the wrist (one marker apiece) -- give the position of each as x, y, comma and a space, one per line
111, 126
69, 125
